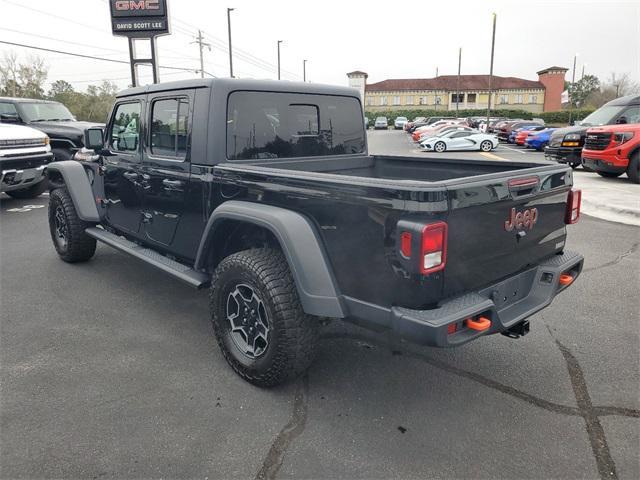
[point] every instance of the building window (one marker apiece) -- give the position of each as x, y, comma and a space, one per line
519, 99
471, 98
533, 99
422, 101
396, 100
504, 99
369, 101
410, 100
383, 100
457, 98
437, 100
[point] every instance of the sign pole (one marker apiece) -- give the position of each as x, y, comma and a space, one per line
140, 20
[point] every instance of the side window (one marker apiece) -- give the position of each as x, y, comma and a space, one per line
460, 135
632, 114
8, 109
170, 127
124, 135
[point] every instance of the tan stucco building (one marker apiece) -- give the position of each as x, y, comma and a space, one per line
439, 93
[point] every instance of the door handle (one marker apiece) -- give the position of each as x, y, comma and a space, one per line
172, 183
130, 175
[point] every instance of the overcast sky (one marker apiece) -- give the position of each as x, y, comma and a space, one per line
390, 39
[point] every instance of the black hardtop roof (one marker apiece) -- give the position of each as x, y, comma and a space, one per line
25, 100
628, 100
232, 84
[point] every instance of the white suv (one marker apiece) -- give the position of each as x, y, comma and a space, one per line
24, 154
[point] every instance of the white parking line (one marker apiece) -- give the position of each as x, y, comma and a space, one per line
523, 151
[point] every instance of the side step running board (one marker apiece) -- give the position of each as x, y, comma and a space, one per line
178, 270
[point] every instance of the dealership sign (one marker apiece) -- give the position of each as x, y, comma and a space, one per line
139, 18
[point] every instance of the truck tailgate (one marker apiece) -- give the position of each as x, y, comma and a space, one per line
500, 227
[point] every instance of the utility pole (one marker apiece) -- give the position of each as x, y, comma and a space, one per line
436, 72
229, 10
493, 44
572, 87
279, 42
201, 43
582, 77
458, 82
304, 70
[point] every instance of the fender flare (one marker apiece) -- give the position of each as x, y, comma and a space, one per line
300, 244
77, 184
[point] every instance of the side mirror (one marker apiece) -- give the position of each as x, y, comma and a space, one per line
94, 138
9, 118
622, 120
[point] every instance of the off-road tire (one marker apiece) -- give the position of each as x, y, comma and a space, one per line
609, 174
293, 335
79, 247
633, 169
30, 192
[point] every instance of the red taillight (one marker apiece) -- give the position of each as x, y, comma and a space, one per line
433, 252
405, 244
573, 207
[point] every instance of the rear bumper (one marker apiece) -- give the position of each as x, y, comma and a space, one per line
505, 304
570, 155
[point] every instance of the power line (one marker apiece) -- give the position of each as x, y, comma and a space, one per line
61, 41
92, 57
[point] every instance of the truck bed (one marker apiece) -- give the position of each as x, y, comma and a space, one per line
361, 198
396, 167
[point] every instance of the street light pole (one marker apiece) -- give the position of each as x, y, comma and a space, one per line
493, 44
304, 70
458, 82
229, 10
582, 77
572, 87
279, 42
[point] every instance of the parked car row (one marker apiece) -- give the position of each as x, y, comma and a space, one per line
607, 141
440, 134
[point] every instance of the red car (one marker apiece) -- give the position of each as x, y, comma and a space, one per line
523, 135
613, 150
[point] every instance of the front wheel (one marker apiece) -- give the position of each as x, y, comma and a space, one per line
440, 147
68, 230
258, 320
609, 174
486, 146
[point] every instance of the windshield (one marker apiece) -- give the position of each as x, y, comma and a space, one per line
401, 119
603, 116
38, 112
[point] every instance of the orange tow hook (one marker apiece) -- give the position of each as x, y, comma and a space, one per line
481, 324
566, 279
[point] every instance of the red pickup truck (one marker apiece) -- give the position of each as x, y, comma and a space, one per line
613, 150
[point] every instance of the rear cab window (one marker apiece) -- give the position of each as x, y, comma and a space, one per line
264, 125
169, 127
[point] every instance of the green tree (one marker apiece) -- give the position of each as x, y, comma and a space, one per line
580, 91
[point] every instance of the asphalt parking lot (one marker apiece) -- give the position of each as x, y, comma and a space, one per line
110, 370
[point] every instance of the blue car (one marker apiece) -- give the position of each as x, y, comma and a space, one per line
514, 132
540, 140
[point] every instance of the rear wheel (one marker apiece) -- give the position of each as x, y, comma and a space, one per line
258, 321
486, 146
68, 230
440, 147
633, 170
609, 174
31, 192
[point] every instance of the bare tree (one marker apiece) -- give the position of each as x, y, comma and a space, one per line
9, 74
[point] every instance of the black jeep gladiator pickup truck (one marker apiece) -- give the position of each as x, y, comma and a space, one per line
265, 192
